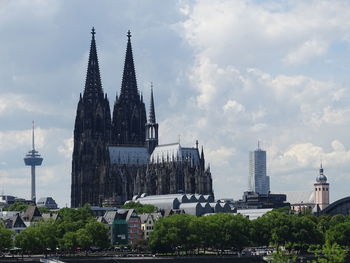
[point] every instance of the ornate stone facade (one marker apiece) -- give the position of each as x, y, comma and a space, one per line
117, 158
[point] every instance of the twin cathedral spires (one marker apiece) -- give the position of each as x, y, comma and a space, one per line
111, 159
128, 125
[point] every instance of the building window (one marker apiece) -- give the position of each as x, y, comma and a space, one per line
315, 189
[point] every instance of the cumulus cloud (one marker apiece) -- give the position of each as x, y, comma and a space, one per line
247, 56
66, 148
307, 51
233, 107
225, 72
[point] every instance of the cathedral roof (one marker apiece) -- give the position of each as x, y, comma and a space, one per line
128, 155
174, 152
93, 85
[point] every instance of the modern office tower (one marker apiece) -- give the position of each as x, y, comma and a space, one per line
321, 188
33, 159
258, 181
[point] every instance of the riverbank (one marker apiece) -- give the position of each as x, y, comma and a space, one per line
182, 259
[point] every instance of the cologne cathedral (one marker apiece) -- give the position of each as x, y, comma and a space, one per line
116, 156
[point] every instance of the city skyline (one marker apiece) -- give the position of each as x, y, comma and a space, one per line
228, 72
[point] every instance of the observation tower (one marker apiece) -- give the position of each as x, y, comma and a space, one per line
33, 159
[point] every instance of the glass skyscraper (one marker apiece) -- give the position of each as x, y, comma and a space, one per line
258, 181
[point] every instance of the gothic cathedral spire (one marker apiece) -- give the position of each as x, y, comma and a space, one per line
93, 85
129, 113
129, 84
152, 114
151, 127
91, 136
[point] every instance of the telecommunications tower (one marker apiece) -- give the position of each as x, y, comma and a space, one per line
33, 159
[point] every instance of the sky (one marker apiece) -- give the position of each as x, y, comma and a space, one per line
225, 72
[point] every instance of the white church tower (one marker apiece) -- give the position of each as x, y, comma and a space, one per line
321, 189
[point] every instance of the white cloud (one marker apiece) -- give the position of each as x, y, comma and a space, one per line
307, 51
66, 149
226, 72
308, 155
252, 62
233, 106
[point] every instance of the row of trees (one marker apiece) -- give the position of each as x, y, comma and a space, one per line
21, 207
73, 229
224, 231
140, 208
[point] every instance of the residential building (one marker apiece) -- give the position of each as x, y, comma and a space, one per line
117, 220
47, 202
31, 215
147, 223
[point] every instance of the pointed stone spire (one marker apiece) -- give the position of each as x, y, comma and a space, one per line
93, 85
202, 159
129, 84
152, 114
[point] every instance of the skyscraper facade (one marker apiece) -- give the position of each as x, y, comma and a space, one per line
258, 181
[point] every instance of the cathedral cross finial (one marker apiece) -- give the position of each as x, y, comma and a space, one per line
129, 34
93, 32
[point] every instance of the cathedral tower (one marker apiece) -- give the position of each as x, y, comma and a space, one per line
151, 127
129, 113
321, 188
92, 132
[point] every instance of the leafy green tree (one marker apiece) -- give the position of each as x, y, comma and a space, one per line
281, 229
171, 234
337, 219
305, 233
282, 256
140, 208
84, 239
69, 241
195, 231
47, 230
17, 206
260, 232
206, 232
329, 253
323, 223
227, 231
98, 233
72, 220
339, 234
38, 237
157, 241
30, 240
284, 210
5, 238
238, 227
44, 210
